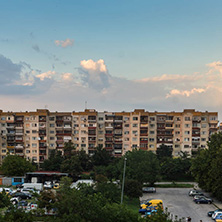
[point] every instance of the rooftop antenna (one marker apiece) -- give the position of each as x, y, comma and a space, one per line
85, 104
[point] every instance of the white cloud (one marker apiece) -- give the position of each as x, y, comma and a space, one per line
186, 93
46, 75
64, 43
94, 74
67, 76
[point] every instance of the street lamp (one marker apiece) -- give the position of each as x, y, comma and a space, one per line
124, 172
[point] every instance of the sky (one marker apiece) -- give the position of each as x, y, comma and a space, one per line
120, 55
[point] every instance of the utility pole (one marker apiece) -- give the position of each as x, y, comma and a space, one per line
123, 182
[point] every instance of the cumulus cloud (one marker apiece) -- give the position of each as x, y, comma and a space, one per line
186, 93
17, 79
94, 74
67, 76
46, 75
64, 43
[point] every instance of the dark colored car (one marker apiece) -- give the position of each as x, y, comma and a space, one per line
203, 200
23, 196
149, 190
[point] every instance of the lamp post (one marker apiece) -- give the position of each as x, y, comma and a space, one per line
124, 172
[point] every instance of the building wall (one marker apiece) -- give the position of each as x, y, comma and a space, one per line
34, 134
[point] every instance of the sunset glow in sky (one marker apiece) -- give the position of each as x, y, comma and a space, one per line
116, 55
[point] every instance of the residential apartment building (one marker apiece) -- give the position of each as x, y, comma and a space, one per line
34, 134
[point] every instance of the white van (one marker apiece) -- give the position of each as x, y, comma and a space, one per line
37, 186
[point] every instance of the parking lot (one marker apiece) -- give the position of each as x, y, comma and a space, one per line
179, 203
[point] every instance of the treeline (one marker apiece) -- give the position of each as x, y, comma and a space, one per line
141, 166
207, 167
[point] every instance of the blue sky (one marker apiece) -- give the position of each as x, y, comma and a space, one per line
137, 41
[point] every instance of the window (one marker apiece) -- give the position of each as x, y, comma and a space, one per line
34, 131
51, 145
204, 125
100, 118
152, 132
203, 118
177, 132
151, 146
126, 139
203, 139
135, 118
34, 158
34, 144
134, 146
34, 151
52, 131
100, 132
203, 132
34, 138
186, 146
152, 118
187, 132
126, 132
3, 151
100, 139
152, 125
17, 180
27, 151
51, 118
187, 125
34, 124
3, 124
26, 118
213, 118
135, 125
126, 118
186, 139
177, 118
76, 131
51, 138
135, 132
83, 145
177, 125
27, 125
177, 146
187, 118
51, 125
151, 139
126, 125
3, 118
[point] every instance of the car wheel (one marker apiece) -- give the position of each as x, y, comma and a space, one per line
198, 202
209, 202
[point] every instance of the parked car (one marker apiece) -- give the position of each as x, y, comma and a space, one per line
15, 200
23, 196
218, 218
56, 186
47, 185
218, 213
22, 205
195, 192
198, 197
203, 200
150, 211
210, 213
149, 190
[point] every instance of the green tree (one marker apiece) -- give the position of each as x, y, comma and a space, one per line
4, 199
54, 162
72, 166
133, 188
207, 164
14, 165
164, 152
17, 215
101, 157
142, 166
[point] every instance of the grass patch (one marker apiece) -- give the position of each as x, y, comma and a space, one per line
175, 185
132, 204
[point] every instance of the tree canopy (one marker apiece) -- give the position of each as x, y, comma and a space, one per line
14, 165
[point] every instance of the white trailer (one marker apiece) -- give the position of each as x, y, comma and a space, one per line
37, 186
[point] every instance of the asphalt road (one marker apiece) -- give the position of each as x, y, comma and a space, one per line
177, 201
